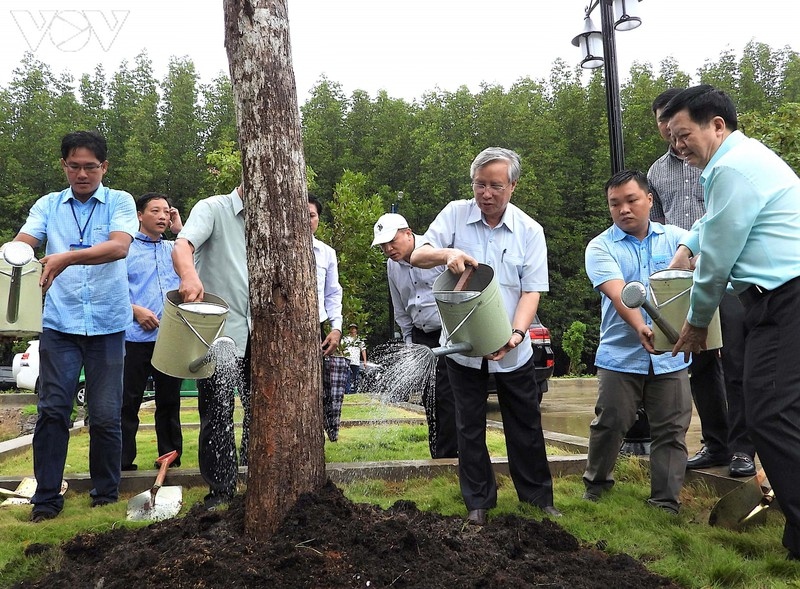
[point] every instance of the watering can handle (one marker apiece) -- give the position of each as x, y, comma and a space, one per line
465, 276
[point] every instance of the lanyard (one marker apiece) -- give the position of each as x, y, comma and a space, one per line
74, 216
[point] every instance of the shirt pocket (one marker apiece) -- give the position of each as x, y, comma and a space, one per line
659, 262
510, 270
99, 233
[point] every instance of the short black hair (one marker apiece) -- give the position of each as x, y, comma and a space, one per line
313, 200
625, 176
703, 102
91, 140
663, 99
141, 202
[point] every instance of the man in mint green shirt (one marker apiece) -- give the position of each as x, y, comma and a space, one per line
750, 238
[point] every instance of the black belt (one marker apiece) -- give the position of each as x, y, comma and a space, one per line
755, 293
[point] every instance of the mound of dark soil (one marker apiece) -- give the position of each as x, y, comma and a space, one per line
326, 541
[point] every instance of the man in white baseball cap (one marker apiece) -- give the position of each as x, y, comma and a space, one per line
387, 227
416, 313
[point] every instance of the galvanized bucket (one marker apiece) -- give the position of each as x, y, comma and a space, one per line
185, 334
20, 294
476, 315
670, 292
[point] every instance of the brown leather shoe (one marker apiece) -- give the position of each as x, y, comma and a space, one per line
477, 517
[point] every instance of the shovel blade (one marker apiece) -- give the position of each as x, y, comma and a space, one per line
730, 511
167, 505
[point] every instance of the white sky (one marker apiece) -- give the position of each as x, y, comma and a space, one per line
406, 48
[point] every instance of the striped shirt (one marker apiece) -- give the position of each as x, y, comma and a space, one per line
677, 193
150, 277
85, 299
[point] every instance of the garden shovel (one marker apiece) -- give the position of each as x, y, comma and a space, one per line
159, 502
742, 507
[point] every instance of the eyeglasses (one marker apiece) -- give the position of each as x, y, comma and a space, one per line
480, 188
88, 168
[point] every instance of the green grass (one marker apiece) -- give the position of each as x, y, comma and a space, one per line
683, 548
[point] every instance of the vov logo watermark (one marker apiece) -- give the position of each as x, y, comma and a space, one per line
70, 30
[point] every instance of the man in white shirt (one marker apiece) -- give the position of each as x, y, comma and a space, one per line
416, 313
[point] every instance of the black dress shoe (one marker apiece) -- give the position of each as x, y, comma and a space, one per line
705, 459
477, 517
551, 511
742, 466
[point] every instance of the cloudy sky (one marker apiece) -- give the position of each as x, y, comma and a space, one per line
406, 48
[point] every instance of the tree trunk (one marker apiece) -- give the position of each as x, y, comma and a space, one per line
286, 444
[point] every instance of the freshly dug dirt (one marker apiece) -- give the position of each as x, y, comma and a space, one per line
327, 541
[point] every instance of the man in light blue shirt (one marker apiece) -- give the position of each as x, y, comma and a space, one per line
150, 277
750, 238
629, 374
489, 229
210, 256
88, 229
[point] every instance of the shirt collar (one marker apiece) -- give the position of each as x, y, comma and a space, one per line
146, 238
99, 194
618, 234
236, 202
730, 142
476, 215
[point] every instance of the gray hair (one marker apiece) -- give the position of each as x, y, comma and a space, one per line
491, 154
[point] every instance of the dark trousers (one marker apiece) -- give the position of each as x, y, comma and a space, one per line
441, 409
518, 395
61, 356
718, 388
731, 313
138, 368
772, 395
217, 452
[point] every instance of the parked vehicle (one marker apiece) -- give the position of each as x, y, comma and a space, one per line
25, 369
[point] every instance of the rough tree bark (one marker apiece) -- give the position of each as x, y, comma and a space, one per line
286, 445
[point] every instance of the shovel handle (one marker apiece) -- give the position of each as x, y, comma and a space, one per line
465, 276
164, 461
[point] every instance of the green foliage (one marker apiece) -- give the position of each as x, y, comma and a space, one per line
179, 137
573, 343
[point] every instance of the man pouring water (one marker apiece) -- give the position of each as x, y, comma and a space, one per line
489, 229
209, 255
416, 313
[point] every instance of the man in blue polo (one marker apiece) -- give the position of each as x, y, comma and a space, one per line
88, 229
629, 374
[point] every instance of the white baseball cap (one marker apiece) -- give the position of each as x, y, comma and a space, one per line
387, 226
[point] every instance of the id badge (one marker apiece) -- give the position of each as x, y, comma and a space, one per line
78, 246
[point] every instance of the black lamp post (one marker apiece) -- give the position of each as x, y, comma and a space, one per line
599, 47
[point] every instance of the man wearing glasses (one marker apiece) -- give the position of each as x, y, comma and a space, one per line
88, 229
490, 230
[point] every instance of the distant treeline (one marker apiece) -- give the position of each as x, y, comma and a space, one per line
365, 153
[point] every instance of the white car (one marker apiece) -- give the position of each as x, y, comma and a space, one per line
25, 367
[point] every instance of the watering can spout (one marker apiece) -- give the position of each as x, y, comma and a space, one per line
16, 254
211, 354
460, 348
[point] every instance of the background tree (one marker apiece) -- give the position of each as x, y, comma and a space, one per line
283, 298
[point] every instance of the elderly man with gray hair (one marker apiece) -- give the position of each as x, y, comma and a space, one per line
489, 229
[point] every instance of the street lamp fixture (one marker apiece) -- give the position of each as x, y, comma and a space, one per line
627, 12
590, 42
593, 56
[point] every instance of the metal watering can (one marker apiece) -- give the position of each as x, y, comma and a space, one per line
188, 335
474, 319
19, 287
670, 290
